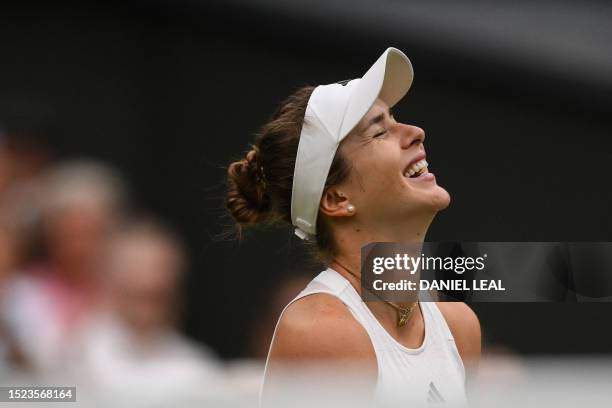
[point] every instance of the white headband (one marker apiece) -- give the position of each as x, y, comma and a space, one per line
332, 112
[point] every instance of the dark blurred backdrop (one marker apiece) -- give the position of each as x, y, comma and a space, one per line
514, 97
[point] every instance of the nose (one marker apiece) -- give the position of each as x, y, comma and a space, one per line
411, 135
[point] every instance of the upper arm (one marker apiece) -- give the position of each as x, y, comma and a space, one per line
465, 327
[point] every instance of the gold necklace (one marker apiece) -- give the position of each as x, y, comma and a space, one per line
403, 313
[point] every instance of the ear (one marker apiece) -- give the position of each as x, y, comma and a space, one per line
334, 203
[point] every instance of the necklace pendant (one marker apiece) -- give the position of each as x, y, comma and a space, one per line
402, 317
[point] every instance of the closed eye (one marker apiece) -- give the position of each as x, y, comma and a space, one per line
380, 133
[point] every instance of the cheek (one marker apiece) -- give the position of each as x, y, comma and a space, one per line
377, 175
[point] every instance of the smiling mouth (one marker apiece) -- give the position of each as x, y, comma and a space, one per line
416, 169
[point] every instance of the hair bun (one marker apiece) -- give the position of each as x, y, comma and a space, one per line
252, 156
246, 198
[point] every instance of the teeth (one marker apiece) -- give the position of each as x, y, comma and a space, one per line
416, 168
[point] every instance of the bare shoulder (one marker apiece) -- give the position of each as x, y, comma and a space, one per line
320, 326
465, 327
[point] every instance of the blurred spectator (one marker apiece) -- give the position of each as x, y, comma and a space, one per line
11, 252
81, 205
23, 157
132, 347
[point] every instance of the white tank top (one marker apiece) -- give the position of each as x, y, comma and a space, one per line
431, 374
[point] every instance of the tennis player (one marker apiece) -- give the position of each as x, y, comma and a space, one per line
335, 163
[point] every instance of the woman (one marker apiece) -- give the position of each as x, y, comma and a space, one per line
335, 163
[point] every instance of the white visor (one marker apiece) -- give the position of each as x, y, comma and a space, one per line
332, 112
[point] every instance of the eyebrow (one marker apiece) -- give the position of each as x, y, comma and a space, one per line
378, 118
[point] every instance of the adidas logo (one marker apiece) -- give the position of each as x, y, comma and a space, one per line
434, 396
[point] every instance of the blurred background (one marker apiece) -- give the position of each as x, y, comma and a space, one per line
117, 120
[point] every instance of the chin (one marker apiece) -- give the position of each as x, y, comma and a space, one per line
440, 199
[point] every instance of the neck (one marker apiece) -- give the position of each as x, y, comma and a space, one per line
352, 238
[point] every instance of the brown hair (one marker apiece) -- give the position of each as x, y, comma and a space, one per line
259, 186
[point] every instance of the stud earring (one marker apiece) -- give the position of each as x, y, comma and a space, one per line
350, 209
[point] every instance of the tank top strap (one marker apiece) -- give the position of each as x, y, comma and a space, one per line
437, 319
327, 281
331, 282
